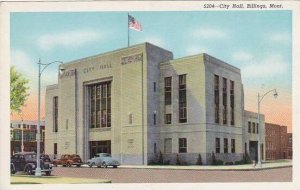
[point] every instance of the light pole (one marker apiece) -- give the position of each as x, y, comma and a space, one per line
259, 99
22, 128
38, 134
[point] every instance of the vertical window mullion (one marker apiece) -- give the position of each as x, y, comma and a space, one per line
182, 99
216, 88
100, 107
106, 105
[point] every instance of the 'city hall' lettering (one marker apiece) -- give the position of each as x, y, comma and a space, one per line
98, 67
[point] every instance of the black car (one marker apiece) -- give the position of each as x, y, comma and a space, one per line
26, 162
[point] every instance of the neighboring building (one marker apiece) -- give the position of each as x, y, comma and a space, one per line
29, 136
138, 101
276, 141
289, 146
251, 131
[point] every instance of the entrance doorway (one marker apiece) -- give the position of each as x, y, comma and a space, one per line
253, 150
99, 147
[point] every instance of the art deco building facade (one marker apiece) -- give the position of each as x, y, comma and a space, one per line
138, 101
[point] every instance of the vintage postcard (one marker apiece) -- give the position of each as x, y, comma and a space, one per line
149, 95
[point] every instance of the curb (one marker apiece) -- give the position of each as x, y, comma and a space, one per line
200, 168
212, 169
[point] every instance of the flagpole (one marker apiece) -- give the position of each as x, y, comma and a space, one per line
128, 29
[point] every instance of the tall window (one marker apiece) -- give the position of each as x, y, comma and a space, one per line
225, 145
253, 127
224, 101
55, 113
154, 119
168, 98
182, 145
182, 99
154, 86
55, 149
232, 145
249, 127
168, 118
168, 90
216, 88
217, 143
232, 102
100, 105
257, 128
130, 118
168, 145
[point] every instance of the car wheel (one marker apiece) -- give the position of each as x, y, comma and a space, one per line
104, 165
115, 166
12, 170
28, 170
48, 173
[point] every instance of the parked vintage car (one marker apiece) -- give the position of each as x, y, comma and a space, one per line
68, 160
26, 161
103, 160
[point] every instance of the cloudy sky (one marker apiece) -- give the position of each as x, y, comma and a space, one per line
257, 42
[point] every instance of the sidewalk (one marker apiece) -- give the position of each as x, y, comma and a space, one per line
266, 165
25, 179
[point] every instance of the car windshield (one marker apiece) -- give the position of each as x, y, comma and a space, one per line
106, 155
30, 156
44, 156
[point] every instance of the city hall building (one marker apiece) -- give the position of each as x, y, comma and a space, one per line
138, 102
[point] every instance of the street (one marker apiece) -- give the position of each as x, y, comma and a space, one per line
134, 175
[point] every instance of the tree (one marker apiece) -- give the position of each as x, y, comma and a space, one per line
199, 160
18, 90
178, 161
213, 159
160, 158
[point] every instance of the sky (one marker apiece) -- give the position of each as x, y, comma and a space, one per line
257, 42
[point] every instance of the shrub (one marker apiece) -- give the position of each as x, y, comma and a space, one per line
199, 160
160, 158
166, 162
240, 162
219, 162
152, 162
213, 159
247, 159
228, 163
178, 162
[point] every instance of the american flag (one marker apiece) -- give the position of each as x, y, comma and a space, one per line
134, 24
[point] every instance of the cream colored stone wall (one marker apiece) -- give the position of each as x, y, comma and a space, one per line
194, 130
214, 67
50, 136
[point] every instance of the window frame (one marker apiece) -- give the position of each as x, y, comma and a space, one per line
225, 145
218, 145
182, 145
